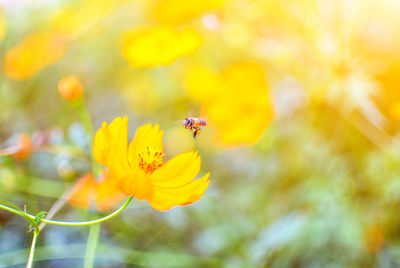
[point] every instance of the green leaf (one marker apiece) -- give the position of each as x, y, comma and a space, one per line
38, 218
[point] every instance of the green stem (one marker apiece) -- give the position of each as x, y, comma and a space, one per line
76, 223
32, 252
91, 245
28, 217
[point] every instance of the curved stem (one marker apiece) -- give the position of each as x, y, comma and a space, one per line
32, 252
68, 223
28, 217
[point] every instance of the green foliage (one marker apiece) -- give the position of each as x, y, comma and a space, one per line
37, 220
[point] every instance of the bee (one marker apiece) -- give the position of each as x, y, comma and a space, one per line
194, 125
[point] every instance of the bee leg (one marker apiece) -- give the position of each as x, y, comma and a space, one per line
196, 132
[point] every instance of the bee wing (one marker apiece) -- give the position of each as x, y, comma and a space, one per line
178, 122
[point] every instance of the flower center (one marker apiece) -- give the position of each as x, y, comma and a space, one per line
150, 159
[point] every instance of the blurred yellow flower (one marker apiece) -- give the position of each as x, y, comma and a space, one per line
237, 102
70, 88
103, 193
176, 12
139, 169
158, 45
395, 111
2, 25
32, 54
81, 18
389, 95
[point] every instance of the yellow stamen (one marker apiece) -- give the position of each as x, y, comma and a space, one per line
150, 160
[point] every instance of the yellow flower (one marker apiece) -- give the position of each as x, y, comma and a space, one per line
388, 99
2, 25
32, 54
394, 111
139, 169
237, 102
70, 88
80, 19
176, 12
158, 45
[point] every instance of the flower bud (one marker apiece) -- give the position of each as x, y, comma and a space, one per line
70, 88
374, 238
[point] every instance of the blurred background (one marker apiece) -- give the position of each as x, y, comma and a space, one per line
302, 102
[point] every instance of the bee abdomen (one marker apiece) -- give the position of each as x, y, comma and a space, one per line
202, 122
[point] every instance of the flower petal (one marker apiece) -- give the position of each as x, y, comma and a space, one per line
136, 184
146, 135
83, 192
110, 146
20, 63
178, 171
107, 193
166, 198
149, 47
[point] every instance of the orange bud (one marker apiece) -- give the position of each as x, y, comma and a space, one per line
373, 238
24, 146
70, 88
